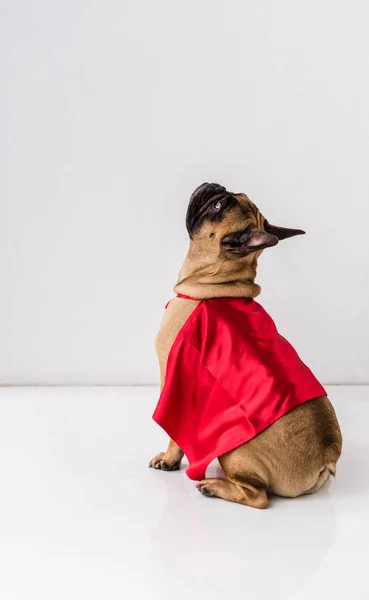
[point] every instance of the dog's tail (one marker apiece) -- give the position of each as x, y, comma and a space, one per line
333, 453
331, 468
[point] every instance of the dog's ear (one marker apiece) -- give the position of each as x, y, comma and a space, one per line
249, 240
258, 240
281, 232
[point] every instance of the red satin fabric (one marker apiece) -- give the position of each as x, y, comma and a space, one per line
230, 375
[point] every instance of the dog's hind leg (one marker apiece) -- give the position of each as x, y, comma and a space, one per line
242, 493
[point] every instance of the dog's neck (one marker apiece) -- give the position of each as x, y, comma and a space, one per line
205, 276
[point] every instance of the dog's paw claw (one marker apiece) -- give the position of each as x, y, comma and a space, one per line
159, 462
204, 488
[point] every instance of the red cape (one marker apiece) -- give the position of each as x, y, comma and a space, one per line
229, 375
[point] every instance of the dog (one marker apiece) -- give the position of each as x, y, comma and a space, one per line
298, 452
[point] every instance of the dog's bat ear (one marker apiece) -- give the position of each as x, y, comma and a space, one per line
281, 232
258, 240
252, 240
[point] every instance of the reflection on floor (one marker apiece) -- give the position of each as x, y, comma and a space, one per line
82, 517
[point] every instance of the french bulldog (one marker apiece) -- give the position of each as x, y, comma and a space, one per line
298, 453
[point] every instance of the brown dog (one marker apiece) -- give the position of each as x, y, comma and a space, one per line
298, 453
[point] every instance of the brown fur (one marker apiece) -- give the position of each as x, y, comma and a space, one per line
298, 453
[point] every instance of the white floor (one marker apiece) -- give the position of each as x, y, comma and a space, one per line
83, 518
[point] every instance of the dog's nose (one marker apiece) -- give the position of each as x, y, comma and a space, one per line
205, 191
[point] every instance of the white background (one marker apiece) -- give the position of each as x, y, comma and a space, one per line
112, 112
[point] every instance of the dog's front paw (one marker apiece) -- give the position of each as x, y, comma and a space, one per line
164, 463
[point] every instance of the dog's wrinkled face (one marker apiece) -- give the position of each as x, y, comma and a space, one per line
230, 223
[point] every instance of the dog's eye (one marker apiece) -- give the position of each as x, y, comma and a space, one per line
218, 205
